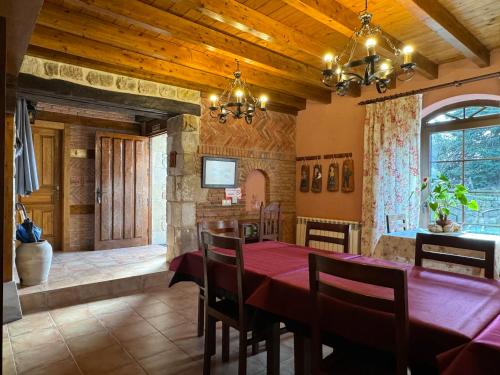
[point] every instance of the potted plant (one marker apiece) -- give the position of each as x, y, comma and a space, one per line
441, 198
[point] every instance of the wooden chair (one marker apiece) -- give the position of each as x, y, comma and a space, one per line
482, 246
234, 313
395, 221
270, 217
387, 277
328, 227
222, 227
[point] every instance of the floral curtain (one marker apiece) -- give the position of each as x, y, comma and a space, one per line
391, 166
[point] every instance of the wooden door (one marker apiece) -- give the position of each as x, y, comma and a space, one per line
122, 191
44, 205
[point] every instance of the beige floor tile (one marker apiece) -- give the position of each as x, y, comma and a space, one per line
82, 327
147, 346
165, 321
132, 369
64, 367
8, 366
119, 318
181, 331
102, 361
132, 331
70, 314
41, 356
30, 323
152, 310
89, 343
168, 363
107, 306
32, 340
139, 299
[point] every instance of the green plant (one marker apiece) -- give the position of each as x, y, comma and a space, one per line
443, 195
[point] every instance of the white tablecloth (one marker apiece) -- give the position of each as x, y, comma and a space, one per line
400, 247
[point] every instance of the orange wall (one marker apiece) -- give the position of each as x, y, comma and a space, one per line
338, 127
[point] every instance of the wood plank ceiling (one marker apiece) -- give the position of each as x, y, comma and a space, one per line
280, 43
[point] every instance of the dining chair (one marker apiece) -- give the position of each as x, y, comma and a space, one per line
487, 262
331, 228
366, 360
233, 312
395, 223
223, 227
270, 217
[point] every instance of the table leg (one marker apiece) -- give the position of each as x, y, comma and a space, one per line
302, 354
273, 350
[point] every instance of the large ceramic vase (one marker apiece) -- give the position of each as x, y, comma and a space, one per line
33, 262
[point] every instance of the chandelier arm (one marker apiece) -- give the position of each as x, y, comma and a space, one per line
389, 42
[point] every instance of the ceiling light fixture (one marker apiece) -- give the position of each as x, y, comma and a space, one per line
376, 69
236, 100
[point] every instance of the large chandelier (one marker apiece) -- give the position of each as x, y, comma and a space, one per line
376, 69
237, 101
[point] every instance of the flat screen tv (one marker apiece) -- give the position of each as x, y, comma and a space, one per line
219, 172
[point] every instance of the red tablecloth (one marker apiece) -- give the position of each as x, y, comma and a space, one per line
480, 356
446, 310
262, 260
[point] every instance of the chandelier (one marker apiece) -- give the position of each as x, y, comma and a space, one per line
237, 101
376, 69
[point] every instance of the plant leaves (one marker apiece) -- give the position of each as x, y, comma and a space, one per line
473, 205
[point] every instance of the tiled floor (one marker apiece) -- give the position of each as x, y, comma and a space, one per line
153, 332
85, 267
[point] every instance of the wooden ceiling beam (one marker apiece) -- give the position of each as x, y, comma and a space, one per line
71, 21
440, 20
342, 19
162, 22
275, 35
174, 74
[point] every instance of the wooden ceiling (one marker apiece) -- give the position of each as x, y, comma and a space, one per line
193, 43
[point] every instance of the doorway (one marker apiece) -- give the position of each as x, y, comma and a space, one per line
159, 172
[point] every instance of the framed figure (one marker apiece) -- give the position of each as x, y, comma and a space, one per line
348, 176
317, 179
333, 177
304, 178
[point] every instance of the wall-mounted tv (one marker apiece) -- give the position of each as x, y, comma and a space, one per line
219, 172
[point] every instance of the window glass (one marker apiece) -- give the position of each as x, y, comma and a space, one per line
488, 111
446, 146
482, 142
482, 175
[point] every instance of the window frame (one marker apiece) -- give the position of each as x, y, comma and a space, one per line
459, 124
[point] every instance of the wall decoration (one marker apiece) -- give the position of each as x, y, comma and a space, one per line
304, 178
219, 172
333, 176
317, 179
348, 176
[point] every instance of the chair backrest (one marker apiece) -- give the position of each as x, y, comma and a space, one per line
387, 277
220, 227
395, 221
233, 255
270, 217
482, 246
328, 227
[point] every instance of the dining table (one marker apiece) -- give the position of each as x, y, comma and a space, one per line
446, 310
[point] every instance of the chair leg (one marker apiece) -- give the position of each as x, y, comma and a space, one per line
273, 349
302, 356
209, 347
255, 348
225, 342
242, 356
201, 313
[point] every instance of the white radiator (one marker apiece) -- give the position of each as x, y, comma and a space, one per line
354, 234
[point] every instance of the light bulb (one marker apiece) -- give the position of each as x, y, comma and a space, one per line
370, 46
263, 102
239, 95
384, 67
328, 59
213, 101
407, 52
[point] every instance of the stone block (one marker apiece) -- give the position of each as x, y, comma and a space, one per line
31, 65
147, 88
166, 91
51, 69
174, 125
187, 95
126, 83
99, 79
171, 187
191, 123
188, 214
71, 72
174, 212
190, 142
186, 239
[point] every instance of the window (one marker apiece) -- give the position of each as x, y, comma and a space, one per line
463, 143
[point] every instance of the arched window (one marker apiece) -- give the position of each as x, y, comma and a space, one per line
462, 141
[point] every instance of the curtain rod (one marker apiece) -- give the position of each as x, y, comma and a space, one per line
431, 88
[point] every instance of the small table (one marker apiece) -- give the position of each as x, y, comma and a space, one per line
400, 247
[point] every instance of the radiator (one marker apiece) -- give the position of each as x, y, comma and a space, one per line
354, 234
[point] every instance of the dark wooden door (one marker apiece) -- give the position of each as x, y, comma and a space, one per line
122, 191
44, 206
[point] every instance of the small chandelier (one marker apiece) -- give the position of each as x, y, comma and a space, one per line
376, 69
236, 100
